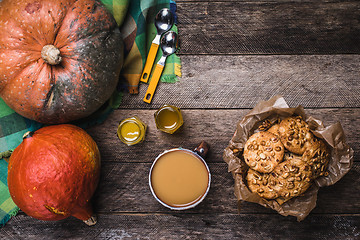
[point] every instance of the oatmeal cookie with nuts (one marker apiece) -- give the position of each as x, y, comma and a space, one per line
263, 151
294, 177
317, 156
295, 134
260, 183
289, 179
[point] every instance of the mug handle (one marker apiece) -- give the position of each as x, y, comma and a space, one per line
202, 149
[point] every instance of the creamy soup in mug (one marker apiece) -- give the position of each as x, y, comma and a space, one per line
179, 178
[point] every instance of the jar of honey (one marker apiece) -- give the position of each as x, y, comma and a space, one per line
168, 118
131, 131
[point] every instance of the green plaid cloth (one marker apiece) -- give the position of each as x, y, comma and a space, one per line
138, 32
135, 19
7, 206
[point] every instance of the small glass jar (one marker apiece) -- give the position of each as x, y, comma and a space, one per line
131, 131
168, 119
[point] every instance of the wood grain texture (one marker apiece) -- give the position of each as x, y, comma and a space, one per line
213, 126
242, 81
188, 226
259, 1
269, 27
234, 54
124, 188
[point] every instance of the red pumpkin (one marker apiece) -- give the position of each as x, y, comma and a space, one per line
59, 60
54, 172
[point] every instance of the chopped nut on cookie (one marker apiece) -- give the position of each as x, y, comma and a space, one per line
263, 151
295, 175
317, 156
295, 134
289, 179
262, 184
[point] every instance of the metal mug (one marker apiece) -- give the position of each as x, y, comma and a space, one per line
200, 153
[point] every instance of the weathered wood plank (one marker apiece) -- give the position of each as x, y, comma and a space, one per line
220, 43
124, 202
124, 189
268, 27
187, 226
214, 126
242, 81
258, 1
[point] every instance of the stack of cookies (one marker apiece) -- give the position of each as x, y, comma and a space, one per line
284, 160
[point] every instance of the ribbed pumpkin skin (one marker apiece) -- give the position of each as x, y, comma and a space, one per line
91, 48
54, 172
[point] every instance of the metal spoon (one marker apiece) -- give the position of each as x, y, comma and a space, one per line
163, 22
168, 46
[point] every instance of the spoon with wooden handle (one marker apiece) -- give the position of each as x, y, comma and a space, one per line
168, 46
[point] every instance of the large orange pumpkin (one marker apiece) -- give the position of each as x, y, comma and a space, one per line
54, 172
59, 60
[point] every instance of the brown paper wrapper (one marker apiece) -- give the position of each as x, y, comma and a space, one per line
340, 163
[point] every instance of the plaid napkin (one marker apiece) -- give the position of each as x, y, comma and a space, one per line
135, 18
138, 32
7, 206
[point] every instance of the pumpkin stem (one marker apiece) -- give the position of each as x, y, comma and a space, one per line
91, 221
51, 54
85, 213
28, 134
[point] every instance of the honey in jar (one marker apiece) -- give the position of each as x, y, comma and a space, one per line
168, 119
131, 131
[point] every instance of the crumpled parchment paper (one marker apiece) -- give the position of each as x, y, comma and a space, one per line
340, 163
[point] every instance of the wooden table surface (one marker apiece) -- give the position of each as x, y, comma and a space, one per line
234, 54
